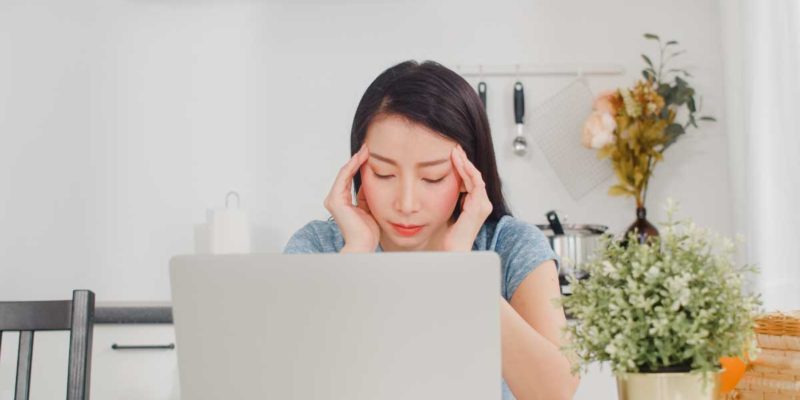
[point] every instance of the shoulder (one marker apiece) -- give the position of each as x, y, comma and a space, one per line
514, 232
316, 237
514, 236
508, 232
522, 247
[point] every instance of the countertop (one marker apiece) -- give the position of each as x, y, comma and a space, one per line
133, 313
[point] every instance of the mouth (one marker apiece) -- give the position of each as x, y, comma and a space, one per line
407, 230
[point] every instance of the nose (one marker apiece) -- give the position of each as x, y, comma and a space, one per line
407, 201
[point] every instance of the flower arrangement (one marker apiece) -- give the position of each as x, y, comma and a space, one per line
674, 303
634, 127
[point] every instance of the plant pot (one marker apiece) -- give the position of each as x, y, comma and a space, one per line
668, 386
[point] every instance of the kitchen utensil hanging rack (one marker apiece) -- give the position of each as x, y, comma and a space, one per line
516, 70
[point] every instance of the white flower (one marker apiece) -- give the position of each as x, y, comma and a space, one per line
681, 296
609, 268
611, 349
652, 273
631, 106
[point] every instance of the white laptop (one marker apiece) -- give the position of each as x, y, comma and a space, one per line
410, 325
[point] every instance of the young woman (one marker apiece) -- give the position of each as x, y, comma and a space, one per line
425, 177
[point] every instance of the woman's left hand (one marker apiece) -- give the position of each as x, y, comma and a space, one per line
475, 206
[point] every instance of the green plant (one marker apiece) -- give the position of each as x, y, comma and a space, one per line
674, 301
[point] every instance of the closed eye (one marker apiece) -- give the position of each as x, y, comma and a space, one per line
435, 180
424, 179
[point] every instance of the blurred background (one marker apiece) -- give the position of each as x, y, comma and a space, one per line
123, 121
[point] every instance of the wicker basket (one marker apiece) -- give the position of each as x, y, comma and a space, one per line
779, 331
775, 373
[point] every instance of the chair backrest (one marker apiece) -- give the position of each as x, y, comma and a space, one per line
76, 316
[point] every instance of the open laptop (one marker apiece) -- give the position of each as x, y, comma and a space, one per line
410, 325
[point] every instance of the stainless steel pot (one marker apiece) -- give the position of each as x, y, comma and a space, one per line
574, 243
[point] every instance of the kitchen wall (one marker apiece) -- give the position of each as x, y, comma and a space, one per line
122, 121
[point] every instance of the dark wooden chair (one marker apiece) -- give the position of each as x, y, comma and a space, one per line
76, 316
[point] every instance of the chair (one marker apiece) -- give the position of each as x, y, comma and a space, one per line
76, 316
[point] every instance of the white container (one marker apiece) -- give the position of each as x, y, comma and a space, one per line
226, 231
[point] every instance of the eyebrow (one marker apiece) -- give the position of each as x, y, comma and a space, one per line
419, 164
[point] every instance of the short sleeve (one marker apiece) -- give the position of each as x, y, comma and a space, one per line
523, 247
305, 240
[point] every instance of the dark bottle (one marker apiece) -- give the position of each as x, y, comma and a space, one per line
644, 229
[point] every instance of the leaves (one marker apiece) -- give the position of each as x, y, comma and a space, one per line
692, 121
674, 130
651, 36
645, 120
679, 71
680, 93
605, 152
677, 300
619, 190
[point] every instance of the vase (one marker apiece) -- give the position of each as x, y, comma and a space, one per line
668, 386
644, 229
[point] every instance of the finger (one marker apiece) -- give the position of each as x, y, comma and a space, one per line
458, 162
343, 181
474, 176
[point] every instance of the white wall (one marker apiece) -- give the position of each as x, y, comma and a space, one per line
762, 53
121, 121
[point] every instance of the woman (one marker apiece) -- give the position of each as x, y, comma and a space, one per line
425, 177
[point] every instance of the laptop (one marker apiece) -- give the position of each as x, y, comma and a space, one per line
411, 325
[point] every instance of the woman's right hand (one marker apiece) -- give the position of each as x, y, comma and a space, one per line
359, 229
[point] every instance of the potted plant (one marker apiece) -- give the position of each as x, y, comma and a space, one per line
662, 313
635, 126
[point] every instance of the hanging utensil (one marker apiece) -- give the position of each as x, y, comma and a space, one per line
520, 143
482, 93
555, 223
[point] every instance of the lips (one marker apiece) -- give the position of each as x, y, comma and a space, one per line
407, 230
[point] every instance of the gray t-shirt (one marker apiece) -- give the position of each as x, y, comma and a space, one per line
521, 246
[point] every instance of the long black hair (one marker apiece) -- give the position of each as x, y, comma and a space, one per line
439, 99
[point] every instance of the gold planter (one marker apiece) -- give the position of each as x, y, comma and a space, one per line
668, 386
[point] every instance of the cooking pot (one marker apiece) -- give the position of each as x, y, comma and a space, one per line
574, 243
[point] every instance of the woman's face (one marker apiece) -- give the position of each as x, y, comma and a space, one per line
410, 183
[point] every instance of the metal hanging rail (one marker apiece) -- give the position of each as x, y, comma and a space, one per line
515, 70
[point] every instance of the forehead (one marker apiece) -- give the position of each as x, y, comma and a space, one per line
398, 138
